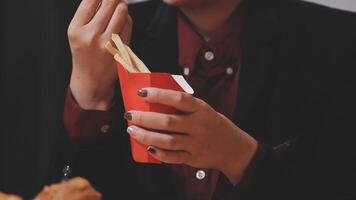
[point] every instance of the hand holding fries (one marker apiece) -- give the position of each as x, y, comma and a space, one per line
94, 73
198, 135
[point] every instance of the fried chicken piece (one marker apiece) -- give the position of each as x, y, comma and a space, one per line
4, 196
73, 189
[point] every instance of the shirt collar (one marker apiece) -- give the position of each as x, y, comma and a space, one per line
191, 43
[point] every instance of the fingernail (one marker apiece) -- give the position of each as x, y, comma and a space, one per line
151, 149
131, 131
128, 116
142, 93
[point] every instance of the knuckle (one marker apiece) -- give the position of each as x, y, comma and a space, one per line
167, 122
138, 118
86, 44
201, 102
72, 33
205, 107
91, 2
124, 10
180, 97
83, 42
91, 39
101, 44
89, 5
143, 138
157, 94
108, 3
171, 142
102, 48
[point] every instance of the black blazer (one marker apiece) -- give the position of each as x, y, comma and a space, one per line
295, 97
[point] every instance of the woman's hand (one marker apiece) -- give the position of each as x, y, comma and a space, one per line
200, 137
94, 72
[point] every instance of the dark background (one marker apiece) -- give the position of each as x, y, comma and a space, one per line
34, 69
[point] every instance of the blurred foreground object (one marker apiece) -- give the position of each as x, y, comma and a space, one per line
73, 189
4, 196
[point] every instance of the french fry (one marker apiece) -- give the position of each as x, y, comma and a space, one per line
124, 55
117, 56
128, 67
111, 49
137, 62
122, 49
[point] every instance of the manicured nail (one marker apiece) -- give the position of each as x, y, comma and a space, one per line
142, 93
128, 116
151, 150
131, 131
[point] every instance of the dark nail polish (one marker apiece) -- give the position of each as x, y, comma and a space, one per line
142, 93
128, 116
151, 150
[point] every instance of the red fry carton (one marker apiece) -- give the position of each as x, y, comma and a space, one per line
130, 83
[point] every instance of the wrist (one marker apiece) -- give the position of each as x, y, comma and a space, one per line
235, 166
91, 94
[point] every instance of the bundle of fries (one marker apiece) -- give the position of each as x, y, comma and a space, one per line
125, 56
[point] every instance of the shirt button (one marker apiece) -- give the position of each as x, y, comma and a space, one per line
229, 71
209, 56
186, 71
200, 174
105, 129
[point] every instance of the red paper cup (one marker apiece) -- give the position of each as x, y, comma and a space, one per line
130, 83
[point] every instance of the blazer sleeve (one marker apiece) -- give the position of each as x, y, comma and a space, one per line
88, 127
315, 165
100, 147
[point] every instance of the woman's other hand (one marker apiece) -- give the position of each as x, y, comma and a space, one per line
94, 73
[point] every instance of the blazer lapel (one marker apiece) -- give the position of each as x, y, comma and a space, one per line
260, 36
160, 41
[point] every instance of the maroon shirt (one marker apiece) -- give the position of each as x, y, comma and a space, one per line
211, 68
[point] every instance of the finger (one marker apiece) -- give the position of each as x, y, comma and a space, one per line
102, 17
85, 12
160, 140
159, 121
167, 156
125, 34
118, 20
179, 100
